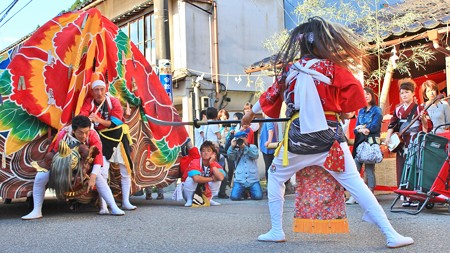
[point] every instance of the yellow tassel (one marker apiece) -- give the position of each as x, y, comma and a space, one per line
64, 149
127, 133
285, 141
38, 168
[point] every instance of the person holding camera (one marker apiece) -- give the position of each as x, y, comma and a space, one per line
246, 176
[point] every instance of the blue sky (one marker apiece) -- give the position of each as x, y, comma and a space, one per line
37, 12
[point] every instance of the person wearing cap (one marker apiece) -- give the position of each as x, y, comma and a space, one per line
246, 177
106, 114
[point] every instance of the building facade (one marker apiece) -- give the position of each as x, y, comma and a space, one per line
209, 45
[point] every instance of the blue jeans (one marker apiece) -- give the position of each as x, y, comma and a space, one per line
238, 190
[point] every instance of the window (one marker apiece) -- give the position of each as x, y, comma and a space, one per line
141, 32
150, 46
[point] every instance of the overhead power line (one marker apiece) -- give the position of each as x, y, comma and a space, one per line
14, 13
6, 11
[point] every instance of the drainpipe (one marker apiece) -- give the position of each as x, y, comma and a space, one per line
216, 47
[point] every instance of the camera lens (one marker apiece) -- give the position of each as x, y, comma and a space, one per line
239, 142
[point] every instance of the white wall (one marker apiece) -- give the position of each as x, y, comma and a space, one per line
243, 27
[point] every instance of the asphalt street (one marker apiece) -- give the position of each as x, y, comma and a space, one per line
168, 226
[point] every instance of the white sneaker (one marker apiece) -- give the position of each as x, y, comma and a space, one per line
414, 204
31, 216
272, 237
351, 201
399, 241
214, 203
117, 212
103, 212
128, 207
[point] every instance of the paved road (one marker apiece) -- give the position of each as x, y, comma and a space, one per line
167, 226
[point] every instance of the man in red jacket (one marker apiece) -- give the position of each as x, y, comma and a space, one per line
106, 113
78, 133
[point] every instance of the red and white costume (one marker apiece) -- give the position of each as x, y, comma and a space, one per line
101, 184
92, 140
343, 94
196, 168
116, 145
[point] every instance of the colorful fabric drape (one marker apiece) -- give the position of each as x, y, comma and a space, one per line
319, 203
45, 80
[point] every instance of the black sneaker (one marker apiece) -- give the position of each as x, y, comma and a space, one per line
223, 196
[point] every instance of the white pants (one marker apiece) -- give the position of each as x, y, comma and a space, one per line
189, 187
350, 178
105, 170
125, 183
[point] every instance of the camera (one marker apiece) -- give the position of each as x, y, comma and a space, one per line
239, 142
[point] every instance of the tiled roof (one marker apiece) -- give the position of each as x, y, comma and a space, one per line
428, 15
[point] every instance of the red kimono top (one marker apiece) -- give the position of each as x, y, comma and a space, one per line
400, 115
92, 140
344, 94
111, 110
195, 168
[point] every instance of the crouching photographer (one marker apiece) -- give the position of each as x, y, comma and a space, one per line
246, 175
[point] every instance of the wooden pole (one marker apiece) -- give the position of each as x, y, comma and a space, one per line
388, 78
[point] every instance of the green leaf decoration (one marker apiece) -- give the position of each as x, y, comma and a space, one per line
5, 83
122, 46
20, 124
166, 155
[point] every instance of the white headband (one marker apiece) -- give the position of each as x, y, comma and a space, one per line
98, 83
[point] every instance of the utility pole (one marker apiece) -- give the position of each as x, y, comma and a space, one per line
162, 38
